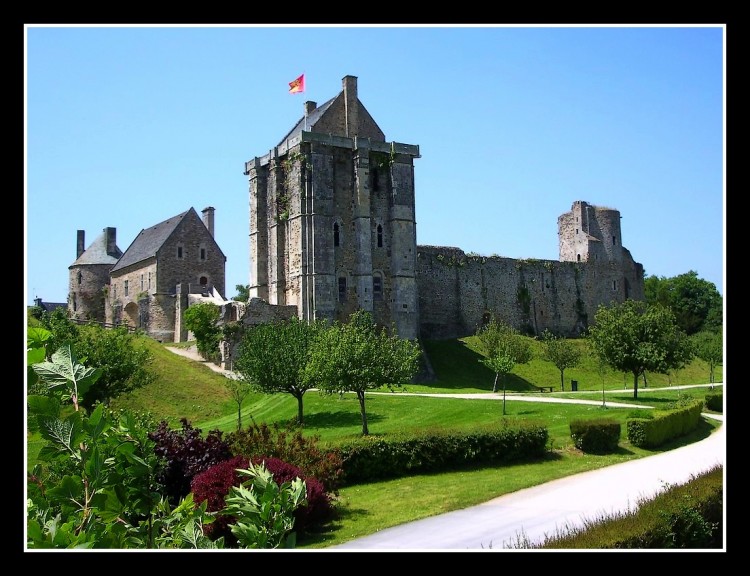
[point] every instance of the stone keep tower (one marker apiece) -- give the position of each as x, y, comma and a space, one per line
590, 234
89, 275
332, 226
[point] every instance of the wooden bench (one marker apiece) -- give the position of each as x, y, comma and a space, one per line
546, 388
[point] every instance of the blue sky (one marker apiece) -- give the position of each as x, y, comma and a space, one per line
129, 126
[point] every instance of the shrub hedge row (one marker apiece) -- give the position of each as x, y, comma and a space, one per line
665, 425
372, 458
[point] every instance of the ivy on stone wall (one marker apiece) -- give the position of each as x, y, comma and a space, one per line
524, 299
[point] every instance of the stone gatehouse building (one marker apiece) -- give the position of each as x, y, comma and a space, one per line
168, 267
333, 229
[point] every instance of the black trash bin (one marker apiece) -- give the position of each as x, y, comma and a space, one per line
574, 385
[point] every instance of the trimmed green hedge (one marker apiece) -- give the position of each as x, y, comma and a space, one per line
596, 435
372, 458
665, 425
715, 401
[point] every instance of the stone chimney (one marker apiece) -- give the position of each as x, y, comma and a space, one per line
208, 219
310, 106
111, 238
351, 103
80, 243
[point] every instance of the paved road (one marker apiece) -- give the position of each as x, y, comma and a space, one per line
545, 510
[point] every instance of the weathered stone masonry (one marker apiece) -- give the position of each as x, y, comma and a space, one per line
333, 229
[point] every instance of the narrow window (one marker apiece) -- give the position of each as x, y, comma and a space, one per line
335, 233
576, 230
614, 241
203, 280
114, 291
179, 252
375, 180
149, 280
75, 303
342, 289
80, 277
614, 285
203, 253
380, 236
141, 282
578, 257
125, 287
377, 287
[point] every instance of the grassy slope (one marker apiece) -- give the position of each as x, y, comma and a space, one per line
185, 388
189, 389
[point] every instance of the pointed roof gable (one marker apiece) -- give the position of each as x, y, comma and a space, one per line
97, 253
150, 240
331, 117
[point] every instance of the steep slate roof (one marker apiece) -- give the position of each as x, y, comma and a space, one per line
96, 253
308, 126
148, 242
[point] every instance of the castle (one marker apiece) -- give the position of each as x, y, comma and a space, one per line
333, 230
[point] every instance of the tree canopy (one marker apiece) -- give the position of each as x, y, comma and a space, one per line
202, 320
243, 292
634, 337
358, 356
273, 357
709, 347
504, 347
695, 303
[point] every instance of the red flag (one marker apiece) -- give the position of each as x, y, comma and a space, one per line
297, 86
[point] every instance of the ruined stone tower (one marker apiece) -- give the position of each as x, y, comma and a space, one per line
590, 234
332, 226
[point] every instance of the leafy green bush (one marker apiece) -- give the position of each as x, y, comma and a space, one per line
264, 509
202, 320
215, 483
596, 436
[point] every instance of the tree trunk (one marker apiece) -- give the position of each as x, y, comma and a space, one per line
494, 386
239, 416
300, 417
562, 380
361, 398
503, 396
635, 385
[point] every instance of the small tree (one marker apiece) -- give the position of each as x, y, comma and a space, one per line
202, 320
358, 356
239, 390
504, 347
561, 352
709, 347
272, 358
243, 292
634, 337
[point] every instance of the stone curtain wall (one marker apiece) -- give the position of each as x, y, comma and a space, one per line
457, 291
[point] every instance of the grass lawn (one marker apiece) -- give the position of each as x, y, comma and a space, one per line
188, 389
